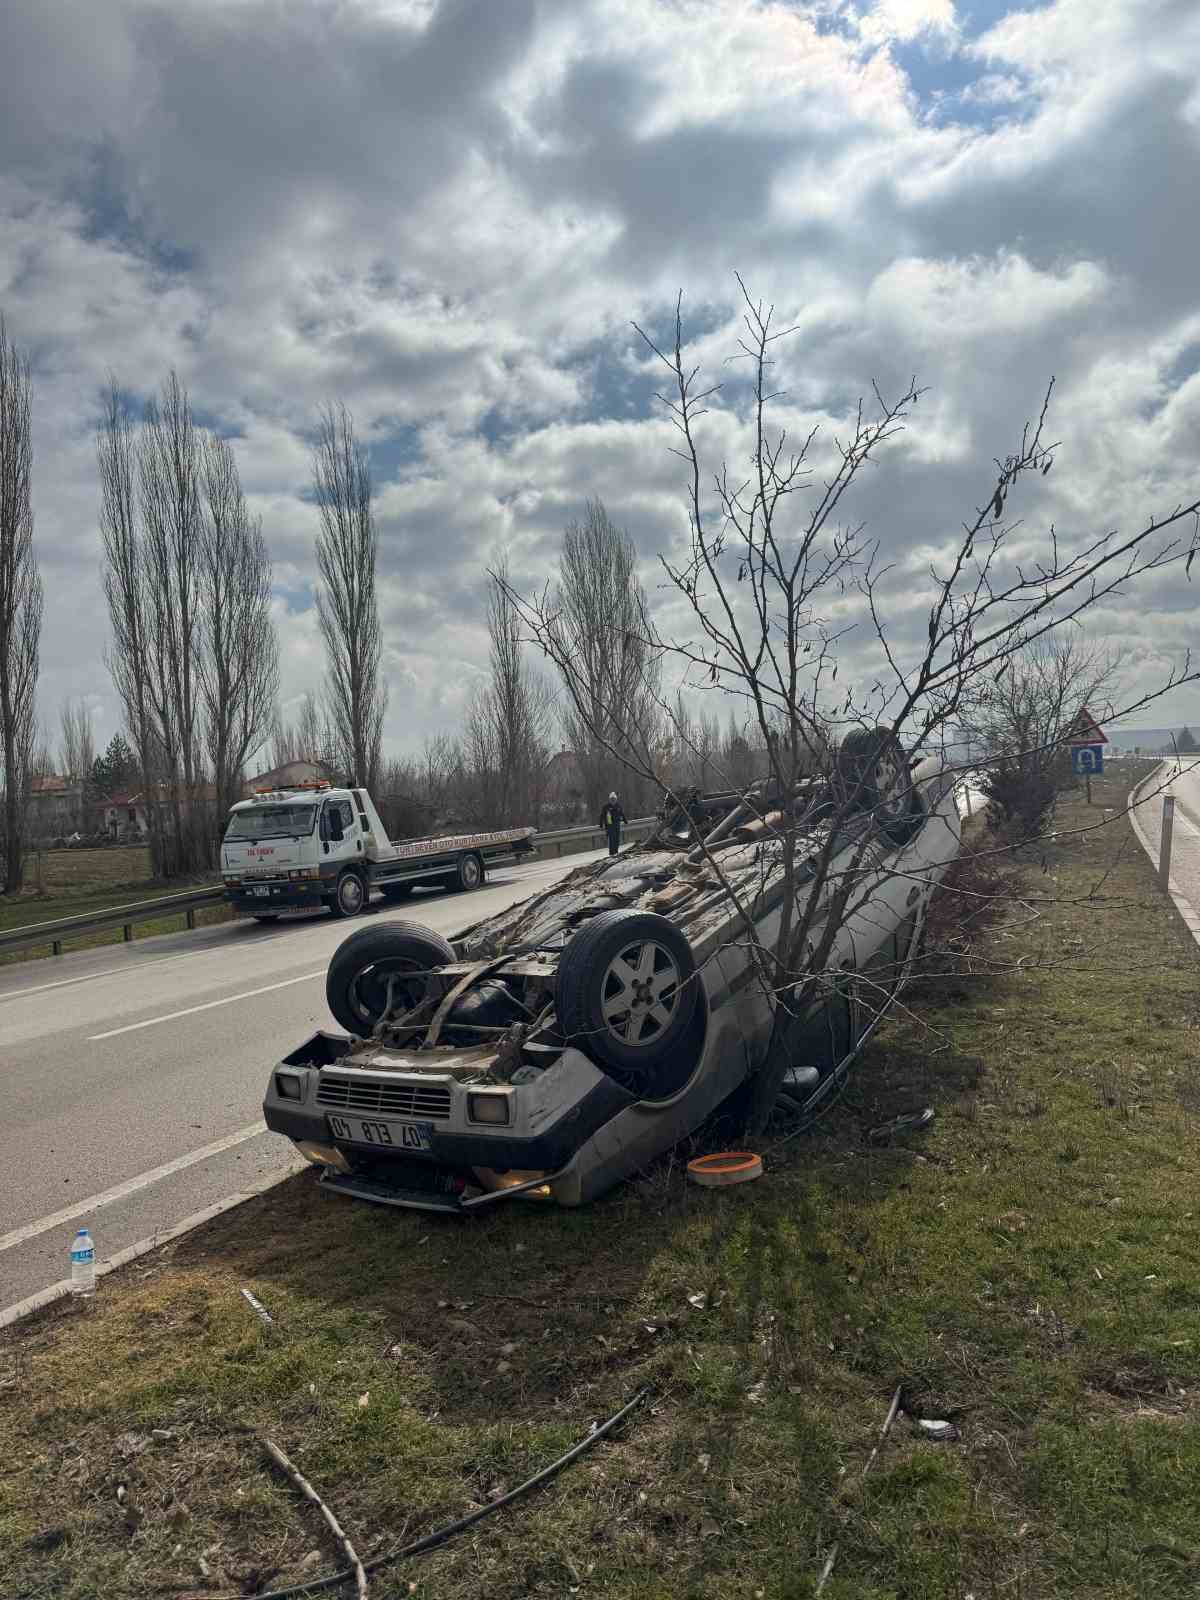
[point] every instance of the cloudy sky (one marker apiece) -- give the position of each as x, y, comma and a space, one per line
447, 212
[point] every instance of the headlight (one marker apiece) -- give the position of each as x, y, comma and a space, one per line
232, 877
288, 1086
491, 1108
304, 872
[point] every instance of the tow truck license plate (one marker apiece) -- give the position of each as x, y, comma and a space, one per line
400, 1135
260, 889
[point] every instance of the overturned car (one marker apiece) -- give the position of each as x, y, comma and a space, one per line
561, 1045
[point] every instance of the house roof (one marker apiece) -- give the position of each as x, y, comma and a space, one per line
273, 773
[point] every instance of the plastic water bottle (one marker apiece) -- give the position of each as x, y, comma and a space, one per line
83, 1264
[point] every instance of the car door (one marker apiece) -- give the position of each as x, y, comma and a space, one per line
339, 832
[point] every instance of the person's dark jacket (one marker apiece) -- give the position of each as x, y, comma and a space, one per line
612, 816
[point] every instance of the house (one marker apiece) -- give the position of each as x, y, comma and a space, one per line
288, 774
56, 806
121, 816
126, 815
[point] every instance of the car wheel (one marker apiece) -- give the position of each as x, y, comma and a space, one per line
398, 955
397, 891
349, 897
872, 774
470, 874
626, 994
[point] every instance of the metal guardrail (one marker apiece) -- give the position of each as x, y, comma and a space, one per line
560, 842
585, 838
53, 933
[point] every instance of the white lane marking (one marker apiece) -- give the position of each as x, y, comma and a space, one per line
520, 873
131, 1252
86, 977
190, 1011
130, 1186
209, 1005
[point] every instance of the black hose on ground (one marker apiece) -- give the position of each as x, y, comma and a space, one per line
440, 1536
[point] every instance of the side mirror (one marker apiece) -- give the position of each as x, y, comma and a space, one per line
336, 833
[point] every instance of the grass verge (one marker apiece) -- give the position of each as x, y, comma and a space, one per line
1028, 1269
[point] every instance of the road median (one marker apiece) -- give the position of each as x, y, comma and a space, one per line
1024, 1270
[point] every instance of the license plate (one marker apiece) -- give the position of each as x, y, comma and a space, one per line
399, 1135
261, 890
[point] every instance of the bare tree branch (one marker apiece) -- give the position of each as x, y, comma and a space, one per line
763, 581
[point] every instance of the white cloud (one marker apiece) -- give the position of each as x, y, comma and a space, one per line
448, 214
905, 20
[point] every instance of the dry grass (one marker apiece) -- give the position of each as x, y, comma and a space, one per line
1028, 1268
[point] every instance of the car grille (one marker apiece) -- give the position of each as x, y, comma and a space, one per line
383, 1099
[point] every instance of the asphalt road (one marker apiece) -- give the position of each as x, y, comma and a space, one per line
118, 1062
1185, 786
1181, 779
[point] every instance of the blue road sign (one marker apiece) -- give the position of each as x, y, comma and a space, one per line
1087, 760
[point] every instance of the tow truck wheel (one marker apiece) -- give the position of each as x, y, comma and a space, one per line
349, 897
399, 954
470, 873
872, 774
626, 994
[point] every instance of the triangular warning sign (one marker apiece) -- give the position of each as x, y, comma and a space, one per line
1086, 730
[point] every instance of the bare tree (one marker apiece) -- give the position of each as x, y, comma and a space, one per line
170, 483
130, 601
400, 801
741, 764
440, 772
507, 727
611, 709
1019, 720
77, 751
347, 550
77, 744
285, 741
314, 733
188, 584
761, 579
20, 604
239, 663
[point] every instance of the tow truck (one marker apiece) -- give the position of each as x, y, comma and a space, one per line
314, 844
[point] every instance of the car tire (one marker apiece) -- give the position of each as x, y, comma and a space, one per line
871, 773
350, 896
644, 958
356, 984
470, 873
397, 891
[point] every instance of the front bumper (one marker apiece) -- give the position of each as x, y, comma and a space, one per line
280, 895
550, 1122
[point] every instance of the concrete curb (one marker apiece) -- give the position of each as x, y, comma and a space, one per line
1180, 901
131, 1252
